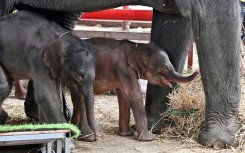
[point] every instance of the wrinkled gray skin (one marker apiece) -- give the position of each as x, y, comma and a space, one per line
119, 64
45, 53
82, 5
216, 30
217, 39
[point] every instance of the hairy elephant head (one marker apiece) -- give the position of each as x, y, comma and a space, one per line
70, 59
153, 64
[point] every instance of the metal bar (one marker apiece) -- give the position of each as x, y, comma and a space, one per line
113, 34
32, 137
49, 147
47, 137
114, 23
67, 145
22, 142
34, 132
59, 146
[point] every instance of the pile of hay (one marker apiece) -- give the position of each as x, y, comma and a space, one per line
187, 110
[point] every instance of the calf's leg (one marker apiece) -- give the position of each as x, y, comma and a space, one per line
124, 115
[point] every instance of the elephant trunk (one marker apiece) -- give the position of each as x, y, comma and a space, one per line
89, 103
80, 5
177, 77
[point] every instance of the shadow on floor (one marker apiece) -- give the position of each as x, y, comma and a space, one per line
21, 149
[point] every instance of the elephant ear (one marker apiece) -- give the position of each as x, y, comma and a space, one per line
52, 56
132, 61
137, 60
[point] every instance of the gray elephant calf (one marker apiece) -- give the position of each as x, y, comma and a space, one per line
31, 47
119, 64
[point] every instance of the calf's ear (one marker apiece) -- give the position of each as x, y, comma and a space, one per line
132, 61
52, 56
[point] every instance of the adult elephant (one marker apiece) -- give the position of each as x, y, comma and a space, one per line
216, 31
217, 39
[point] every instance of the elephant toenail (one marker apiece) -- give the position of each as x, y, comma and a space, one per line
218, 145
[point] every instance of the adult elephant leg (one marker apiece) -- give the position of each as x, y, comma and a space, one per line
172, 33
218, 44
5, 89
31, 107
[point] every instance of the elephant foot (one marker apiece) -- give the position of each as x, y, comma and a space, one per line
3, 117
125, 132
218, 136
88, 137
146, 136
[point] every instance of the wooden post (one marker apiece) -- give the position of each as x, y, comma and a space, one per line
126, 23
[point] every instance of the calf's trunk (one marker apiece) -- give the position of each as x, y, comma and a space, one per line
177, 77
89, 103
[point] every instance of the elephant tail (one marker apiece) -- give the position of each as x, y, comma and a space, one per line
6, 7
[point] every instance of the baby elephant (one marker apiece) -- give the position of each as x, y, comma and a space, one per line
34, 48
119, 64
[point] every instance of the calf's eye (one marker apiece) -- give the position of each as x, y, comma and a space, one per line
78, 77
164, 69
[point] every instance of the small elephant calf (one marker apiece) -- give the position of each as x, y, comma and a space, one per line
32, 47
119, 64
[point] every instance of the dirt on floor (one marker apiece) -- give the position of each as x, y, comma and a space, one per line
107, 118
109, 142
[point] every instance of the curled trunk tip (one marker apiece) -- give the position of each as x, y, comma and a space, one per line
182, 79
192, 77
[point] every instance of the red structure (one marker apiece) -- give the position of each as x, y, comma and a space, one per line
120, 14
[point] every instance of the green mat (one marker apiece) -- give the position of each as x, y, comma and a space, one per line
41, 127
